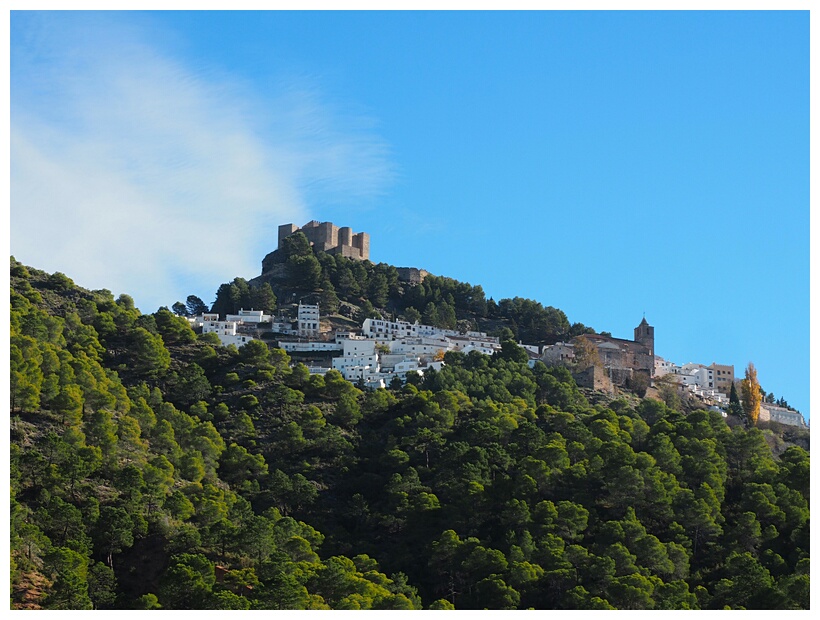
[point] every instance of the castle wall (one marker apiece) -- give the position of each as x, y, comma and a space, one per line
347, 251
327, 237
412, 274
595, 378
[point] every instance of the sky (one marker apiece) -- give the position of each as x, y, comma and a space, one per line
614, 165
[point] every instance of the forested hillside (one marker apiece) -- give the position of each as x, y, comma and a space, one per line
153, 468
299, 271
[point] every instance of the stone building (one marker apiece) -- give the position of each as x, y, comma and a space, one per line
769, 412
628, 356
724, 377
620, 359
331, 239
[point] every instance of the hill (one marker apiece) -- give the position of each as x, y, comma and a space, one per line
298, 271
152, 468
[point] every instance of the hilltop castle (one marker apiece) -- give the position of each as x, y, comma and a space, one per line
329, 238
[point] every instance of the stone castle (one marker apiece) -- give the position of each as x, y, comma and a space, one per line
331, 239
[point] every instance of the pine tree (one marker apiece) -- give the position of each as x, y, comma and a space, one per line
735, 408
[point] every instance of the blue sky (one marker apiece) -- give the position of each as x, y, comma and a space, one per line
605, 163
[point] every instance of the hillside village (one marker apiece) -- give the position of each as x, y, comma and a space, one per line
378, 353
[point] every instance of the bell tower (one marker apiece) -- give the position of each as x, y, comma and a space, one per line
645, 335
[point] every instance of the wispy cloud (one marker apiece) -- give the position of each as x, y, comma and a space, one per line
134, 171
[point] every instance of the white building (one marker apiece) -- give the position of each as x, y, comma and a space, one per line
308, 320
358, 356
225, 330
317, 370
394, 330
248, 316
198, 321
386, 330
480, 342
702, 376
531, 348
428, 347
283, 327
309, 347
665, 367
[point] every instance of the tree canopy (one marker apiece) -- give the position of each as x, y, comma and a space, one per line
153, 469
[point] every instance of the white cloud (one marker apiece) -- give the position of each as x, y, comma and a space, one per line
134, 172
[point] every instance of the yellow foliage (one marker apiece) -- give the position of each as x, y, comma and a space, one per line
750, 394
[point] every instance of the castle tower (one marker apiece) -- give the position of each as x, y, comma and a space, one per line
645, 335
362, 242
285, 230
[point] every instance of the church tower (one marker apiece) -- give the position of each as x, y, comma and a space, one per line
645, 334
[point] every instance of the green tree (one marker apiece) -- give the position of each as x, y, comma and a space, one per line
69, 573
179, 309
114, 532
347, 412
735, 408
188, 582
263, 298
304, 272
102, 586
378, 290
195, 306
150, 357
329, 300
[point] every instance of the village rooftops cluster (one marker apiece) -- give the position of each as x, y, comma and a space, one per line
711, 384
234, 329
385, 350
388, 349
238, 329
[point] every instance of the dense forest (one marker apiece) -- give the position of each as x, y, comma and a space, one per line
153, 468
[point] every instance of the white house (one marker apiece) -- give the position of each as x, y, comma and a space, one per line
665, 367
197, 321
226, 331
387, 330
248, 316
475, 342
357, 356
308, 319
427, 347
